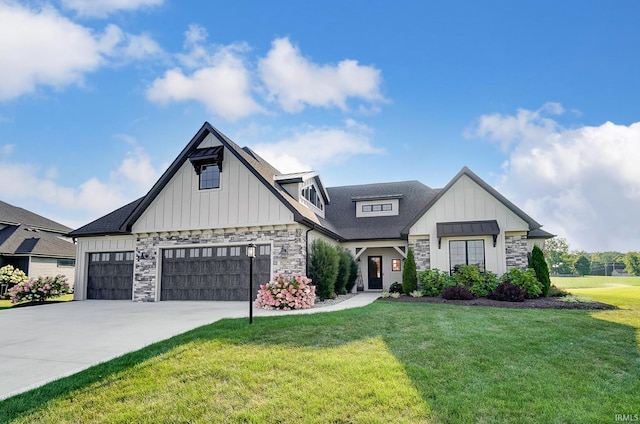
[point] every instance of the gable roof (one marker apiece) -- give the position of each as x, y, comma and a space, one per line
27, 241
533, 224
412, 197
126, 216
299, 177
13, 215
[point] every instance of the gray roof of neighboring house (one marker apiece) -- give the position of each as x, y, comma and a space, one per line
342, 214
25, 240
13, 215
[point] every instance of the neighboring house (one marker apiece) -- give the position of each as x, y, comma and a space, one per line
35, 244
186, 239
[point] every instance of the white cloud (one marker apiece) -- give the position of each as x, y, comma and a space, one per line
94, 197
60, 52
102, 8
7, 149
506, 130
311, 147
295, 82
583, 183
221, 81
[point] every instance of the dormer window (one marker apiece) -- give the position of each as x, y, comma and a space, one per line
209, 177
208, 165
312, 197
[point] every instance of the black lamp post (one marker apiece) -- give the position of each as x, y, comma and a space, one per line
251, 253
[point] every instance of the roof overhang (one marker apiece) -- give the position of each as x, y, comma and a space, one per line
467, 228
207, 156
377, 197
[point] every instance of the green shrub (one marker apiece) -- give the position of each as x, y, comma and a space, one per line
525, 279
434, 282
409, 275
416, 293
480, 284
323, 268
539, 265
395, 288
344, 269
353, 273
457, 293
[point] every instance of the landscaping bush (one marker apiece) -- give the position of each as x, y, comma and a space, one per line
525, 279
39, 289
395, 288
409, 275
434, 282
416, 293
508, 292
540, 267
480, 284
323, 268
286, 292
11, 276
457, 293
344, 269
353, 273
557, 292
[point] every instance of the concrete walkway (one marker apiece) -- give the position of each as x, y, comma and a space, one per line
44, 343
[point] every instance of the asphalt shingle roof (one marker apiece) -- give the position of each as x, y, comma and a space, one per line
108, 224
23, 240
341, 211
13, 215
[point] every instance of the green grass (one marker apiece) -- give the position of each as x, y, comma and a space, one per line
387, 362
594, 281
6, 304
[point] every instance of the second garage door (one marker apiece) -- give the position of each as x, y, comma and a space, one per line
212, 273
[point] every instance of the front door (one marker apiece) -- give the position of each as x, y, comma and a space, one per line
375, 272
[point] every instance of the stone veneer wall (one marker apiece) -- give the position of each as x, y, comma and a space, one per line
421, 252
516, 250
291, 238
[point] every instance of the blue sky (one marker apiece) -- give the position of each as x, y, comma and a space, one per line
540, 99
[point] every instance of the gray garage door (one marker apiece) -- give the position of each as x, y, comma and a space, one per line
110, 275
212, 273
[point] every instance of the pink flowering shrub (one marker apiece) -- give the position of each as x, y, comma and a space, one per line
39, 289
286, 292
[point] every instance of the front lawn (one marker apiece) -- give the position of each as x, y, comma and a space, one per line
387, 362
589, 281
6, 304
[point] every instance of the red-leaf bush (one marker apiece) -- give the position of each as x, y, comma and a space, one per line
457, 293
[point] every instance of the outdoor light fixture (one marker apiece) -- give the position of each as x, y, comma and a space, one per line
251, 253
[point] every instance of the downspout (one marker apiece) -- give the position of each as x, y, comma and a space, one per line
306, 256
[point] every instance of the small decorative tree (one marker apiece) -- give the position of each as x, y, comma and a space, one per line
10, 276
409, 274
344, 270
323, 268
353, 273
539, 265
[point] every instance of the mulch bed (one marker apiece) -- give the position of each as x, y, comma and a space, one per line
540, 303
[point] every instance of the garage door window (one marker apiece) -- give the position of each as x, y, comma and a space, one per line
234, 251
207, 252
264, 250
221, 251
194, 253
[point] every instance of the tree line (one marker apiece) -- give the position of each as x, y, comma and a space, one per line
563, 261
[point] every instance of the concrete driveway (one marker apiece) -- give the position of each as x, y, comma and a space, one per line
43, 343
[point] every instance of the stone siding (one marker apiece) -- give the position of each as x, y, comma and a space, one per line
516, 251
421, 252
288, 252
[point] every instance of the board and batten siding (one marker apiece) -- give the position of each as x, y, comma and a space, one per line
467, 201
87, 245
241, 200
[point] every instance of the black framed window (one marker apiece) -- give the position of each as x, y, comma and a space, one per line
466, 252
209, 177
